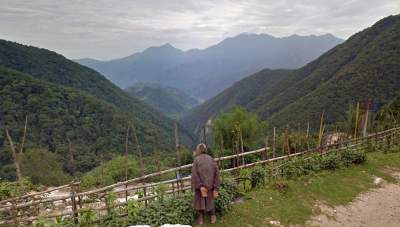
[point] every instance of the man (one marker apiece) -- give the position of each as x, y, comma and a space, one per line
205, 183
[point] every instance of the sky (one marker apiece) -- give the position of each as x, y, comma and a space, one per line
107, 29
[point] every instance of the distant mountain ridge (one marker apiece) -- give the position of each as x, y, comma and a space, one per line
203, 73
367, 65
169, 101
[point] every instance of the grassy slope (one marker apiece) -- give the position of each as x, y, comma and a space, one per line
296, 206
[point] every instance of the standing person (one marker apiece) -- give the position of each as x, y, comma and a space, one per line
205, 183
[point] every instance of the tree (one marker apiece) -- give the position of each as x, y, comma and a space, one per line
227, 126
43, 167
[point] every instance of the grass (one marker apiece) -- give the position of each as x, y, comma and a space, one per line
297, 204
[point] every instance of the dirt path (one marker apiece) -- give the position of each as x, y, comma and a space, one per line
378, 207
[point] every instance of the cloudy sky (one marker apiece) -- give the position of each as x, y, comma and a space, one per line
106, 29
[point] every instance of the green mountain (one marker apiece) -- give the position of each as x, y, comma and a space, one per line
168, 100
64, 100
367, 65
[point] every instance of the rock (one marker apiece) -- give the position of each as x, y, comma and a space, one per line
275, 223
377, 180
177, 225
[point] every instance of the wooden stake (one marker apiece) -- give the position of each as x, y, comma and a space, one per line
321, 129
126, 161
178, 154
126, 152
16, 163
221, 146
71, 158
265, 154
21, 149
139, 149
356, 123
241, 145
273, 144
365, 118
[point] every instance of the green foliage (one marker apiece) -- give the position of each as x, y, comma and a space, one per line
300, 166
331, 161
111, 172
244, 177
169, 101
160, 190
227, 193
66, 101
133, 209
43, 167
87, 217
258, 176
228, 125
12, 189
171, 210
353, 156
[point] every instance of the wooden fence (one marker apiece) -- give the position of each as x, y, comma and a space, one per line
26, 209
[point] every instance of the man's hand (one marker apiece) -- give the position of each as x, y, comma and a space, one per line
215, 193
204, 191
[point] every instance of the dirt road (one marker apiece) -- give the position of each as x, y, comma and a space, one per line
378, 207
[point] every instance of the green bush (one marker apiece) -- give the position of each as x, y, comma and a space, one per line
173, 210
257, 176
227, 193
330, 161
293, 168
245, 179
12, 189
353, 156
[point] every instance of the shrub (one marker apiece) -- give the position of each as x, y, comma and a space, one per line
293, 168
281, 185
352, 156
227, 193
244, 177
257, 176
171, 210
12, 189
330, 161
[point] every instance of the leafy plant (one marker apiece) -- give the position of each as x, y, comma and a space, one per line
257, 176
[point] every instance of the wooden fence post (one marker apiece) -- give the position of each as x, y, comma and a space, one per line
16, 163
73, 202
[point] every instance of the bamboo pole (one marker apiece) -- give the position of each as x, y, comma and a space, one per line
356, 119
365, 118
139, 149
321, 129
71, 158
241, 145
178, 154
16, 163
273, 144
265, 154
126, 160
221, 146
21, 149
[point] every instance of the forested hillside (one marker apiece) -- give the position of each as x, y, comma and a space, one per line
66, 101
206, 72
366, 66
167, 100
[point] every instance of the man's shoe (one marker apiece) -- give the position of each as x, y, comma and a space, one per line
213, 219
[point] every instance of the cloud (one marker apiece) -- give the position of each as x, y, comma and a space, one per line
107, 29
